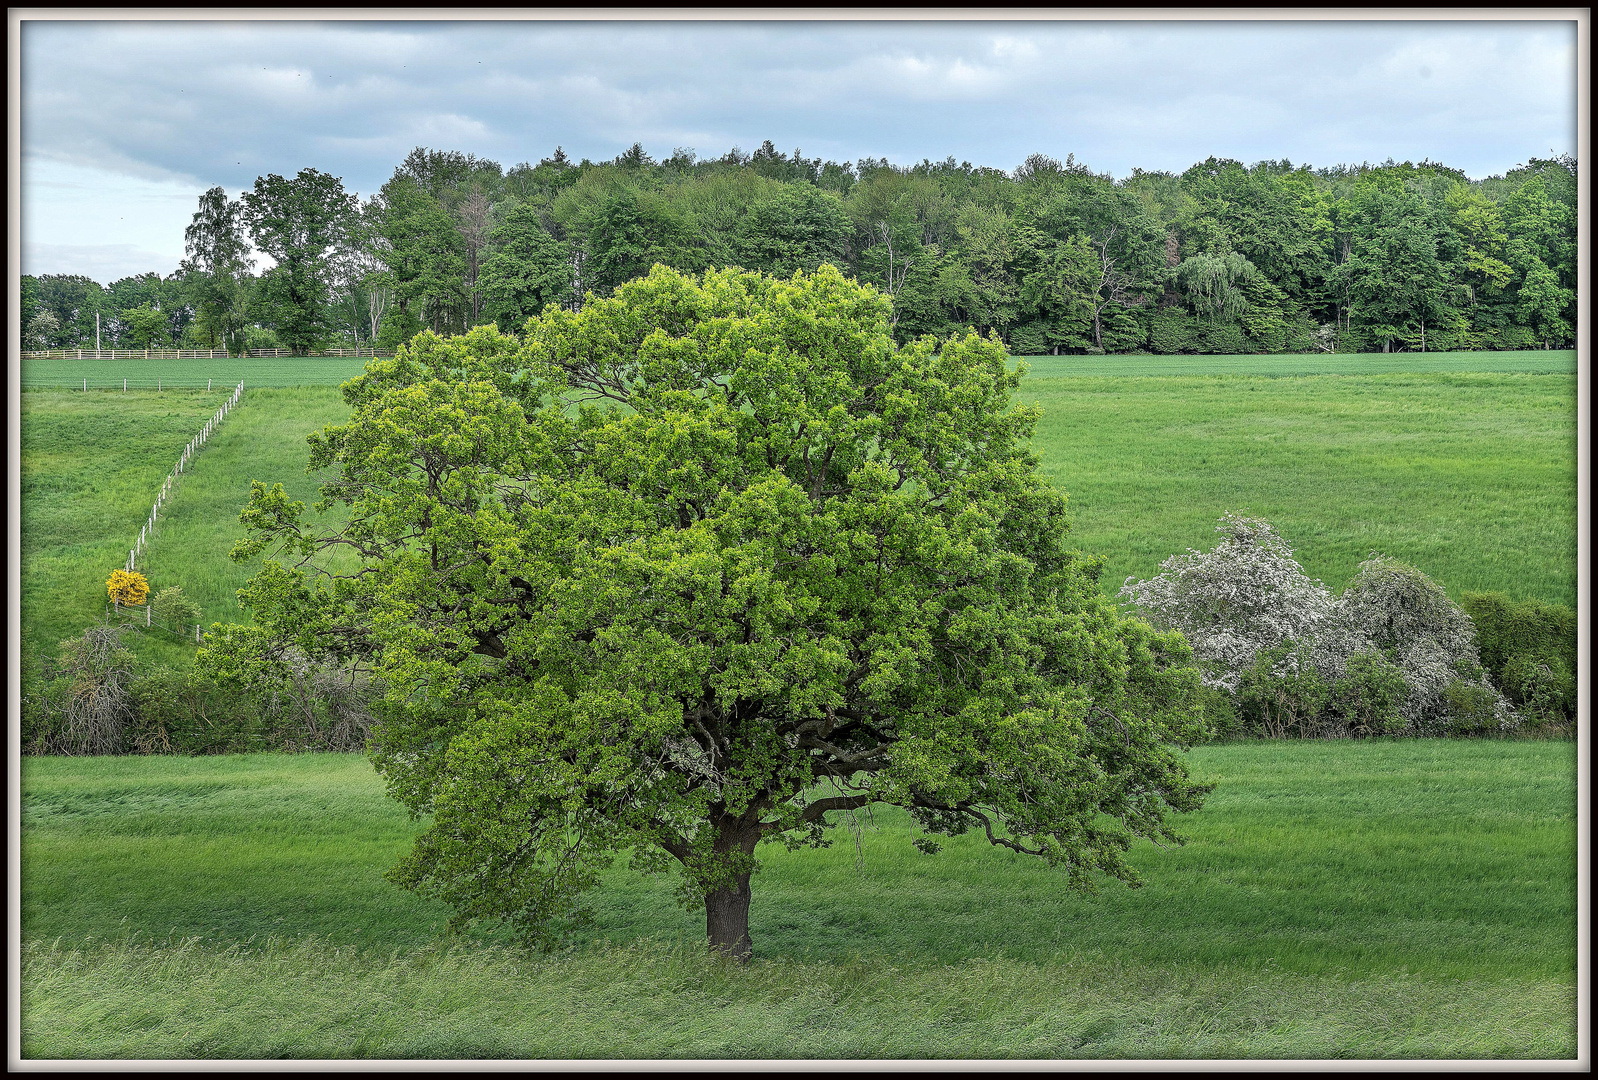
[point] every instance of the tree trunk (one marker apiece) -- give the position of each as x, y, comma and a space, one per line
727, 920
727, 909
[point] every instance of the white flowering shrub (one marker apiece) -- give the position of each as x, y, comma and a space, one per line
1247, 595
1392, 653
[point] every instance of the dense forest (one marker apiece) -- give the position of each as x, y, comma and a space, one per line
1223, 258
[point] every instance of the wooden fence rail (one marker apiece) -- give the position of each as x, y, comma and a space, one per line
183, 462
127, 354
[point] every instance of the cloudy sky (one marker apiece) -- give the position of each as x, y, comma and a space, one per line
125, 123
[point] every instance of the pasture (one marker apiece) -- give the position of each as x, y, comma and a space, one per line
189, 373
91, 464
1374, 899
1407, 899
1468, 474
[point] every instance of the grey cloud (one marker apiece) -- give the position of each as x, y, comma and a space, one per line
224, 102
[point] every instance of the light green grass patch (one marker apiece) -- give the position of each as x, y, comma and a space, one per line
1470, 477
1453, 859
223, 373
1553, 361
92, 464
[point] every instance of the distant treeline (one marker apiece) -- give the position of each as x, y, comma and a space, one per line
1223, 258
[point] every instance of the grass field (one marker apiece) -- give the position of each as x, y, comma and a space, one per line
262, 371
330, 371
1468, 475
1374, 899
1553, 362
91, 466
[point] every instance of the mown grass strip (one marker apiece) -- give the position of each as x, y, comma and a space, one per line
1553, 361
263, 371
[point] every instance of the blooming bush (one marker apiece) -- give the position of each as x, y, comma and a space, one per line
1391, 653
127, 587
1247, 595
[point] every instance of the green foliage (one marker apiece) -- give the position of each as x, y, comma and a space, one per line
1213, 284
1369, 695
400, 324
1529, 649
186, 712
425, 258
631, 233
170, 605
219, 264
799, 228
691, 550
1284, 694
144, 327
1471, 708
298, 223
529, 270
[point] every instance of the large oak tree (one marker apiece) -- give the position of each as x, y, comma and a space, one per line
692, 568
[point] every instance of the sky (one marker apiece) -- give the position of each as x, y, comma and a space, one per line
124, 124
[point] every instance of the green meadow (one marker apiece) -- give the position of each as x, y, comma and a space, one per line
1468, 474
190, 373
1373, 899
91, 466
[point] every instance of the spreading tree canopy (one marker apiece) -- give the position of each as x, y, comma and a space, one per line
685, 571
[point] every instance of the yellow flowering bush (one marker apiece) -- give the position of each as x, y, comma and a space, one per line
127, 588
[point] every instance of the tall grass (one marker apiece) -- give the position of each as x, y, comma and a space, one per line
1452, 859
1406, 899
307, 999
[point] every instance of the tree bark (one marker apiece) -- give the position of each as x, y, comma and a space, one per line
727, 920
727, 908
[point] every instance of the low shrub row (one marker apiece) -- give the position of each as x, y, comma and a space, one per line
1529, 649
1391, 655
90, 700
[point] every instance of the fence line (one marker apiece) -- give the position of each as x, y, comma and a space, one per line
183, 462
120, 382
192, 354
359, 351
127, 354
144, 615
